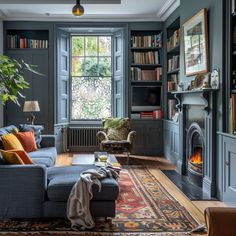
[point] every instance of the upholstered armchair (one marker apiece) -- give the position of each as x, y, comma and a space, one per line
116, 136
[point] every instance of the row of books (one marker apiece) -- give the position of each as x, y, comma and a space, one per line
15, 41
173, 63
157, 114
145, 57
174, 40
147, 41
146, 75
171, 108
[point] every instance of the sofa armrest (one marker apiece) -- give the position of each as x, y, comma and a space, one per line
131, 136
220, 221
48, 140
22, 190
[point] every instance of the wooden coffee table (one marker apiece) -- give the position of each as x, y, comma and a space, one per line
89, 159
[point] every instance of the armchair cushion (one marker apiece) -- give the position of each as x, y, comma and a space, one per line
117, 128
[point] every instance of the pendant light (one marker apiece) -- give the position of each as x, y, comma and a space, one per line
78, 9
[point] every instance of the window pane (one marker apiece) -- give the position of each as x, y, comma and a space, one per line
104, 46
91, 46
91, 66
104, 66
91, 97
78, 46
77, 66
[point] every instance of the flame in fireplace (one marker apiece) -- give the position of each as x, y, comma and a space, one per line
196, 158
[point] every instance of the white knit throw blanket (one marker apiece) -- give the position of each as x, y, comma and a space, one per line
78, 205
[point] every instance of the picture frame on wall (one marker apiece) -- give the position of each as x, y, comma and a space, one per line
195, 33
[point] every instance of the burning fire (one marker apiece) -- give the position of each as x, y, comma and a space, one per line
196, 158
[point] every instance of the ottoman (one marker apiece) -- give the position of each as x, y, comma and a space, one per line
60, 182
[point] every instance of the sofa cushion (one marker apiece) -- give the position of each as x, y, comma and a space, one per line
27, 140
62, 179
37, 129
43, 161
11, 157
44, 153
10, 142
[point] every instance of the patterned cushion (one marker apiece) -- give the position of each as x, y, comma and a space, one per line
117, 128
37, 129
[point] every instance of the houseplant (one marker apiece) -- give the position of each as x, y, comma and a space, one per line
12, 81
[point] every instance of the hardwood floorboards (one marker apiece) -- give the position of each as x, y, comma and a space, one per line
155, 164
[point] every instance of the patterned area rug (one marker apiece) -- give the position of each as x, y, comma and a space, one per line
144, 208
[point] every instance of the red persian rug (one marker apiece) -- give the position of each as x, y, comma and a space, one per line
144, 208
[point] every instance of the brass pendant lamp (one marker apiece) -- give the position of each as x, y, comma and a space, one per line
78, 9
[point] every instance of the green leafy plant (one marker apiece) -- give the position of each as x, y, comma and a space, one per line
12, 81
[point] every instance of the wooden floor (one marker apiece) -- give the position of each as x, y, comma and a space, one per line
155, 164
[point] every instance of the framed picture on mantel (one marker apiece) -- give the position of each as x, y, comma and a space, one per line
195, 33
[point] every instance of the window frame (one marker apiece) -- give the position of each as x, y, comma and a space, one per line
91, 121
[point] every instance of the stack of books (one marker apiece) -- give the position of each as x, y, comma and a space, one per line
173, 63
174, 40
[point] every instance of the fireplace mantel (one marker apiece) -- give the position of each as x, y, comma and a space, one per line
194, 97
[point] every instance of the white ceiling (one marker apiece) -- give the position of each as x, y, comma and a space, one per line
95, 10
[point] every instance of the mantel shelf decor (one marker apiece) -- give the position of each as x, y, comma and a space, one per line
189, 97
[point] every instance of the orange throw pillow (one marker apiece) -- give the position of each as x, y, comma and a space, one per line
27, 140
10, 142
23, 156
11, 158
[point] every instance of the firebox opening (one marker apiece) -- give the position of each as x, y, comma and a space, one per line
196, 157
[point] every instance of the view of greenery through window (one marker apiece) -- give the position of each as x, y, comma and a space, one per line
91, 77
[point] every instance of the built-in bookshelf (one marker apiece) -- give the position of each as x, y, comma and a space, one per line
232, 93
27, 39
173, 66
146, 74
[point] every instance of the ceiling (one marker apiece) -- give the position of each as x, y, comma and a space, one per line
95, 10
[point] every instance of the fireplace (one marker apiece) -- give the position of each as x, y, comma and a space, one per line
195, 154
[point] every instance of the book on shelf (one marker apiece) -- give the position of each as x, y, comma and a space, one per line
146, 41
174, 78
174, 40
171, 108
15, 41
145, 57
171, 86
148, 75
173, 63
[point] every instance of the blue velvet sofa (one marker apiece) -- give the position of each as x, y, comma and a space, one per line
42, 190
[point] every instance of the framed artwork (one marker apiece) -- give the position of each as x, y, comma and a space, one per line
195, 33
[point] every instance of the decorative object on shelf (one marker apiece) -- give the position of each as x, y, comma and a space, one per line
31, 106
78, 9
180, 87
12, 80
215, 79
196, 44
201, 81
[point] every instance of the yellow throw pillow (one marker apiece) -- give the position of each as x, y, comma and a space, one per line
11, 158
10, 142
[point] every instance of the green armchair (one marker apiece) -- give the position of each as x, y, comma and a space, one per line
116, 136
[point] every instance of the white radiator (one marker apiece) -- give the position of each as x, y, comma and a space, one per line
82, 138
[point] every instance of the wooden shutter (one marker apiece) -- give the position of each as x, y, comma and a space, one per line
63, 75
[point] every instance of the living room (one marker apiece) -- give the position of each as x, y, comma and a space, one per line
144, 89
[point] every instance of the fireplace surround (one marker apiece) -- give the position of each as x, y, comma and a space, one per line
197, 133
